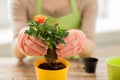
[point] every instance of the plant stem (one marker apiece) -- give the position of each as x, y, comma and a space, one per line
51, 56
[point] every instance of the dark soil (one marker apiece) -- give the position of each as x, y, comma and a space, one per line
52, 66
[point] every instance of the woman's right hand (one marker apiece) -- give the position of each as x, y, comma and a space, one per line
31, 46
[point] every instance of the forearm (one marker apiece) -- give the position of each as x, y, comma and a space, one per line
15, 51
88, 50
88, 27
17, 15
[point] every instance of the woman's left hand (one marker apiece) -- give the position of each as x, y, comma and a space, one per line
75, 42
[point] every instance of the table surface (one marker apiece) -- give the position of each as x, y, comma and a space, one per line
11, 69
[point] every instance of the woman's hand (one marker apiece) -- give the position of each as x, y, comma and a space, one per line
31, 46
75, 42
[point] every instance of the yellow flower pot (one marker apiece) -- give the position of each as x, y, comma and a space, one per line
51, 74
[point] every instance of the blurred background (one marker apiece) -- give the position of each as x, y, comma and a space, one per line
107, 29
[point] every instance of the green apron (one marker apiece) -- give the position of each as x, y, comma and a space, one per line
69, 21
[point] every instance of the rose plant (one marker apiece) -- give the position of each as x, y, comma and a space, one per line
51, 35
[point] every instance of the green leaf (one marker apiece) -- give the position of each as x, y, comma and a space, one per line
49, 33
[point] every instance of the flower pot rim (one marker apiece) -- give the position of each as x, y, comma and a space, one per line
59, 60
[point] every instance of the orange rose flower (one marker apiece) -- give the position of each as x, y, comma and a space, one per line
40, 18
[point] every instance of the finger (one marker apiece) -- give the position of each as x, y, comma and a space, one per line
39, 42
35, 47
